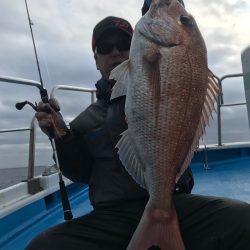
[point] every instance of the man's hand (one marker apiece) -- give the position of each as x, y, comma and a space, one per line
51, 122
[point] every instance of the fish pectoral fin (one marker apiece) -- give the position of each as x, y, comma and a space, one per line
211, 98
121, 75
129, 158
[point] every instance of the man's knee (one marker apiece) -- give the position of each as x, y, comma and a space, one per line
239, 212
52, 238
39, 242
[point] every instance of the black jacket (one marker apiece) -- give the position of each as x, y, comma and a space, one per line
87, 154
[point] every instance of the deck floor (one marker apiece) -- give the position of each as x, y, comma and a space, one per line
228, 180
231, 180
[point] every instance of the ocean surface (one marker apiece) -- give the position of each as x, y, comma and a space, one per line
12, 176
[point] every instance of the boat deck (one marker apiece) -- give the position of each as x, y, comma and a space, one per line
230, 180
212, 173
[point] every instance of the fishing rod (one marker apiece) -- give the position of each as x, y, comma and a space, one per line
44, 96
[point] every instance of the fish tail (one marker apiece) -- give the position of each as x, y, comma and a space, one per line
157, 230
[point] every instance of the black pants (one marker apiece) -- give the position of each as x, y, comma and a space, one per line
207, 223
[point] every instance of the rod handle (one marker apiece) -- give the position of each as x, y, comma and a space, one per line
65, 201
44, 95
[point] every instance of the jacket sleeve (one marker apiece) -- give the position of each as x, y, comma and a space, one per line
74, 157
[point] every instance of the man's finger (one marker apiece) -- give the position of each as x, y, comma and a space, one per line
43, 115
46, 107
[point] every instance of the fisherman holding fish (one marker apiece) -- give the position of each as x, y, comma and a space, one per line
134, 144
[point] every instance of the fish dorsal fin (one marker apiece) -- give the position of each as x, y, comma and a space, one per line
127, 155
210, 99
121, 75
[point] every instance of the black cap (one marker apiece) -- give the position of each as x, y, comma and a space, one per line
110, 23
147, 3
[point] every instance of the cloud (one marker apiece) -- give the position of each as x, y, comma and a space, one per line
63, 30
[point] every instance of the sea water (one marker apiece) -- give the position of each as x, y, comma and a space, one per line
12, 176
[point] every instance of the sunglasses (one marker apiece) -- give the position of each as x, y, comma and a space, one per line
106, 47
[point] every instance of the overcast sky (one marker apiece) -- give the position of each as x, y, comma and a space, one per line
63, 30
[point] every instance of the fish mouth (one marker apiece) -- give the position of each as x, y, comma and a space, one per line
171, 45
158, 40
154, 31
151, 26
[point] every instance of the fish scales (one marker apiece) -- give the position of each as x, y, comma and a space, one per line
170, 94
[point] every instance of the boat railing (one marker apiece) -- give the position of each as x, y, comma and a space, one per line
73, 88
32, 182
220, 104
21, 81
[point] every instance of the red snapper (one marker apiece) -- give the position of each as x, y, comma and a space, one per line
170, 94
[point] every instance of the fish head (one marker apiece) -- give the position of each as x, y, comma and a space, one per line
167, 24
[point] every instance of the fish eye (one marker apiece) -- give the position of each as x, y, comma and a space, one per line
186, 20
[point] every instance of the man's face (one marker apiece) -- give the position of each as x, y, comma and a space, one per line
111, 50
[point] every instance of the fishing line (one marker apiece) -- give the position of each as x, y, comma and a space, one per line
34, 45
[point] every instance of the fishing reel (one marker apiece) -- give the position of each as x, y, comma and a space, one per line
20, 105
52, 101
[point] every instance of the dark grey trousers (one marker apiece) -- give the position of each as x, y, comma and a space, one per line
207, 223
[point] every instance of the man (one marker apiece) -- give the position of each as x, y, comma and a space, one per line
87, 154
